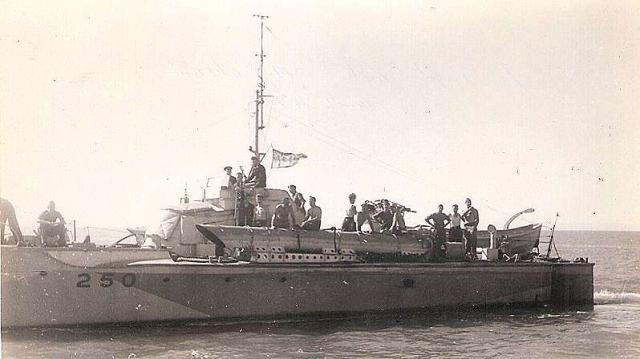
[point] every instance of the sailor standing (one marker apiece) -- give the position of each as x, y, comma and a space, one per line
349, 223
439, 221
455, 233
259, 213
293, 190
471, 218
230, 181
299, 213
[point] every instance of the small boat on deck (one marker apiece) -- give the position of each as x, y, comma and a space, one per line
520, 240
199, 262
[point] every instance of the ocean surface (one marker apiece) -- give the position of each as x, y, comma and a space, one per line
611, 330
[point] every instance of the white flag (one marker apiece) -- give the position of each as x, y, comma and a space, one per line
285, 159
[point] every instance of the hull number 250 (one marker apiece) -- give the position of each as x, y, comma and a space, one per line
106, 280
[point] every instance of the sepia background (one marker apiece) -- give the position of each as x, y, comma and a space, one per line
110, 108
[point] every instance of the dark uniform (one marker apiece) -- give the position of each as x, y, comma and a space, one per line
472, 218
257, 177
385, 218
440, 221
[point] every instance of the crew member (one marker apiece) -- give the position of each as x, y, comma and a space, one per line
314, 216
399, 225
385, 216
299, 213
283, 216
367, 210
349, 223
472, 219
257, 175
240, 179
455, 233
245, 210
230, 181
439, 221
259, 213
52, 224
293, 191
8, 213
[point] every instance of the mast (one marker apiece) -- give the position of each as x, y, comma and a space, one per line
260, 91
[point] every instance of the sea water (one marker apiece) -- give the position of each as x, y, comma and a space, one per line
610, 330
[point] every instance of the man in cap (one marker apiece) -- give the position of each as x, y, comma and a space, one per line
230, 180
349, 223
472, 219
257, 175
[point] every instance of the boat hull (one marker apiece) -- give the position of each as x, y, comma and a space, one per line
302, 240
161, 290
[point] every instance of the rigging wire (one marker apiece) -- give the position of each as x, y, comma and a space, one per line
353, 150
206, 127
366, 157
356, 152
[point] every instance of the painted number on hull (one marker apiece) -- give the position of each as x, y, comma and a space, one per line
106, 280
84, 280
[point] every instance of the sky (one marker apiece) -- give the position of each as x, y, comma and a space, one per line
112, 108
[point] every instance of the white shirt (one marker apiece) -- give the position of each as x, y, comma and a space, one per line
259, 214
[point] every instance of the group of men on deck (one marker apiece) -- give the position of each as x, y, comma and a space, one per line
440, 220
290, 213
51, 223
257, 177
294, 215
381, 216
390, 219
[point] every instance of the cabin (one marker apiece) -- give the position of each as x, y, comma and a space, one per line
175, 226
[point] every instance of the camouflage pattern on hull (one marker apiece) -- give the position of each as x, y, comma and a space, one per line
161, 290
